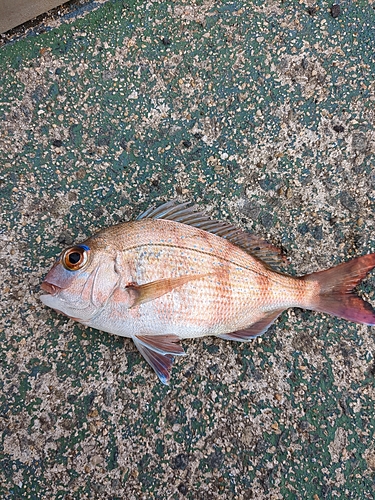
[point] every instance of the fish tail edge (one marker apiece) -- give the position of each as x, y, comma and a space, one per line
336, 286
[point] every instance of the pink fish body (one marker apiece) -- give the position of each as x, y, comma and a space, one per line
175, 274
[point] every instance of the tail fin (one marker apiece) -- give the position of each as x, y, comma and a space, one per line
336, 285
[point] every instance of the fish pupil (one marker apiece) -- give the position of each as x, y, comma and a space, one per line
74, 257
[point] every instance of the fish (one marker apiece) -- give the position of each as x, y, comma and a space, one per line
173, 273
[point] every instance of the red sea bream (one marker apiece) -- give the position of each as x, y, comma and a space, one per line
175, 274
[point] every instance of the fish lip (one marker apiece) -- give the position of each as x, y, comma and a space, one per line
50, 288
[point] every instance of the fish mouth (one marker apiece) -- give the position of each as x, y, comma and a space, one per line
49, 288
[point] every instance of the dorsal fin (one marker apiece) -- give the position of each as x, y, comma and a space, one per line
187, 214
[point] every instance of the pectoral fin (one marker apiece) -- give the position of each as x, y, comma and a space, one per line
159, 352
150, 291
254, 330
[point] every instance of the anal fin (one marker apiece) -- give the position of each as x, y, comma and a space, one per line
159, 352
254, 330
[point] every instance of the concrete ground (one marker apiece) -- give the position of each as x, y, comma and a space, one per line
262, 113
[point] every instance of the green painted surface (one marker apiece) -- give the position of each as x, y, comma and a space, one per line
263, 113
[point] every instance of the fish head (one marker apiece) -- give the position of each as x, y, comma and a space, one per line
80, 282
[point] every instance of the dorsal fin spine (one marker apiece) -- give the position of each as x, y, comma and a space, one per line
185, 213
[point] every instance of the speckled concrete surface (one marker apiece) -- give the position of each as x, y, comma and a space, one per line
263, 113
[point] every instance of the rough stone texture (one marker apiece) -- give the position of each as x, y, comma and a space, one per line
262, 112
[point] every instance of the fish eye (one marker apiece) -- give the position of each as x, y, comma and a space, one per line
75, 258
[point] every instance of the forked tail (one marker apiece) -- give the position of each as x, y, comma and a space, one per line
336, 285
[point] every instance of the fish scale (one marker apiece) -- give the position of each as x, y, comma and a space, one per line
209, 301
175, 274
